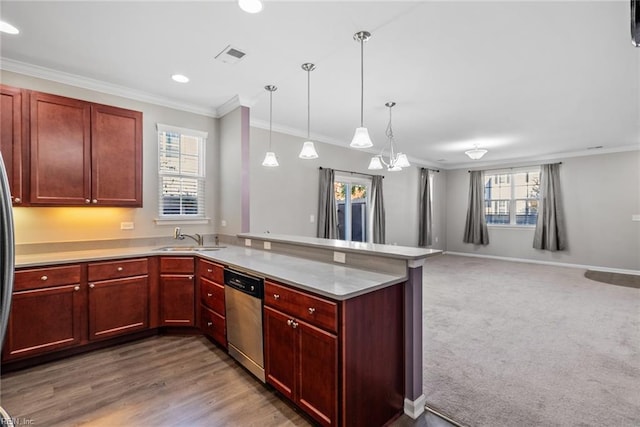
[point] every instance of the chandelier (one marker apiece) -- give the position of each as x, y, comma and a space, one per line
396, 161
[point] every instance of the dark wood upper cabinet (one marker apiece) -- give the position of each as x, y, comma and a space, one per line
83, 153
13, 104
116, 156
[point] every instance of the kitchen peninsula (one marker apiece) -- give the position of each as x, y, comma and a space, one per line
376, 334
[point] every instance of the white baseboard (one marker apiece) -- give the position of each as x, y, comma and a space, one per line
557, 264
415, 408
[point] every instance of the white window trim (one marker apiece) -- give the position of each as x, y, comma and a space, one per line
512, 201
357, 180
181, 219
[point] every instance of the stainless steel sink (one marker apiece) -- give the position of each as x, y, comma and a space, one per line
189, 248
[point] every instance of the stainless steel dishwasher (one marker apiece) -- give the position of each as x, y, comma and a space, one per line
243, 295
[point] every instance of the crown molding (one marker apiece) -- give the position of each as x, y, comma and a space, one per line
100, 86
233, 103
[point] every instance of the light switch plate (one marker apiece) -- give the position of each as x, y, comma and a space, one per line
312, 218
126, 226
247, 242
635, 217
267, 245
340, 257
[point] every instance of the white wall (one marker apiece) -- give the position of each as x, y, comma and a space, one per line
601, 193
284, 198
52, 224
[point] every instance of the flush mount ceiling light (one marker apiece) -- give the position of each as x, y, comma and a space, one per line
397, 161
270, 159
7, 28
250, 6
180, 78
476, 153
361, 137
308, 149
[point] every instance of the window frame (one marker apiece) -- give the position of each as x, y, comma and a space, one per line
201, 216
354, 180
512, 200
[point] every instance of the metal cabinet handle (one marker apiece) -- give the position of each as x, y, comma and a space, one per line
209, 323
76, 288
276, 296
119, 268
294, 325
43, 278
312, 310
289, 322
87, 201
94, 201
91, 285
17, 200
209, 270
190, 277
209, 294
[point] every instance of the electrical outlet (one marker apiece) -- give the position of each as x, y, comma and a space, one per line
312, 218
247, 242
635, 217
224, 222
126, 226
267, 245
436, 239
340, 257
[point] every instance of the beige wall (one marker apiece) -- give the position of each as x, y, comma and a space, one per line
39, 225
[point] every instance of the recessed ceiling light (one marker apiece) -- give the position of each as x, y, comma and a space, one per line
250, 6
180, 78
5, 27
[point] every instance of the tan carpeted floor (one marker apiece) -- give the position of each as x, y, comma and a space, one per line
517, 344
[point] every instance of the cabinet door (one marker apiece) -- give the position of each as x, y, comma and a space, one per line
43, 320
118, 307
60, 159
279, 351
177, 300
318, 373
116, 152
12, 132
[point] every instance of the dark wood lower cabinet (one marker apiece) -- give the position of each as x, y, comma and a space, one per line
302, 363
43, 320
177, 300
118, 306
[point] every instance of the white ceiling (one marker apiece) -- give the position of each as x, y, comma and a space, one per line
525, 80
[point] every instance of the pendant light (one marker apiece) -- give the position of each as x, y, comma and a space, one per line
476, 153
270, 159
308, 148
397, 161
361, 137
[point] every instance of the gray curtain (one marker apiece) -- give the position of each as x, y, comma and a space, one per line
475, 229
550, 231
425, 233
377, 210
327, 208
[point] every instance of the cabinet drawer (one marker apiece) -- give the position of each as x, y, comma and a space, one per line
117, 269
314, 310
214, 325
212, 295
46, 277
176, 264
211, 271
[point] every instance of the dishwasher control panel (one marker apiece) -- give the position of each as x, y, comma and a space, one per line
248, 284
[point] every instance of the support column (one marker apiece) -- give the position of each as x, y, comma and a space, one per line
414, 398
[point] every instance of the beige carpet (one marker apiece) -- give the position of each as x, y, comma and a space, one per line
517, 344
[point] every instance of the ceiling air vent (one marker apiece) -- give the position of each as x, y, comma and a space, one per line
230, 55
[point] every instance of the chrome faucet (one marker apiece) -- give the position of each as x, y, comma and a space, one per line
177, 234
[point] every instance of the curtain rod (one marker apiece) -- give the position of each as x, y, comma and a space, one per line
513, 167
432, 170
352, 172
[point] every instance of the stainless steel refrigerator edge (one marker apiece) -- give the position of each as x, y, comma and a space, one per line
7, 264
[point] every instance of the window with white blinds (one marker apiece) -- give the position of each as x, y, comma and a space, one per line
181, 172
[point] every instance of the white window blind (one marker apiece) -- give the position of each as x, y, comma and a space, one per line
181, 172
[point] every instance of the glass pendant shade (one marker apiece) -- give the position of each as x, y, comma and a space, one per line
250, 6
361, 139
402, 161
308, 151
375, 163
476, 153
270, 160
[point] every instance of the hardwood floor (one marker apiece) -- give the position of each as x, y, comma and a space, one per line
158, 381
